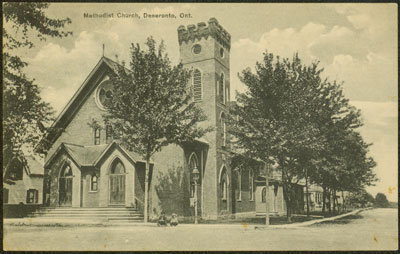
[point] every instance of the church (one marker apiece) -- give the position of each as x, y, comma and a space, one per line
85, 165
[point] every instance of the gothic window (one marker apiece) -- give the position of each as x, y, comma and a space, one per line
224, 185
223, 128
221, 88
97, 136
104, 94
197, 89
109, 134
221, 53
264, 195
93, 183
32, 196
251, 184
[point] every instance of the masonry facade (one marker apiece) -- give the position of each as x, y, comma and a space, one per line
86, 166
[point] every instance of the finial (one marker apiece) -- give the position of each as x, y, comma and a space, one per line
103, 49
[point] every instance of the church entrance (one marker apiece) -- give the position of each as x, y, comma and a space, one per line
117, 183
65, 187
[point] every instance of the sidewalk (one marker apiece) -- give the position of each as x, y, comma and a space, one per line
76, 223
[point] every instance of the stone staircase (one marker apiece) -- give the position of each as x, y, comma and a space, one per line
97, 214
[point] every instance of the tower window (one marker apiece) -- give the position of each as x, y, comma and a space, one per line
221, 53
97, 136
197, 93
223, 129
221, 88
196, 49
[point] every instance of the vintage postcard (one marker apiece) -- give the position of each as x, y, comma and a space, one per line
200, 126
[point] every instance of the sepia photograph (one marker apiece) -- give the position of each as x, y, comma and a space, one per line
200, 126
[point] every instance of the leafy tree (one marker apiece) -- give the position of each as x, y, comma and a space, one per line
25, 114
360, 198
381, 200
276, 122
152, 105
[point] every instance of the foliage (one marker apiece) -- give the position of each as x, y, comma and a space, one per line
381, 200
152, 104
172, 191
25, 114
290, 116
360, 198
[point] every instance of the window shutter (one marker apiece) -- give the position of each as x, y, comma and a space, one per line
36, 196
197, 89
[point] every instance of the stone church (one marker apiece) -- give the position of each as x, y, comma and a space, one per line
86, 166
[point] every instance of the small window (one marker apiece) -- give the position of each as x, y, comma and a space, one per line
5, 195
97, 136
223, 128
196, 49
221, 88
264, 195
93, 183
109, 134
32, 196
221, 53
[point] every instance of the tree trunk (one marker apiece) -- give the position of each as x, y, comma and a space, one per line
329, 201
286, 194
307, 196
146, 192
334, 200
266, 194
323, 199
343, 203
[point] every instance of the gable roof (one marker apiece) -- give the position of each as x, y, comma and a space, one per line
31, 165
104, 66
88, 156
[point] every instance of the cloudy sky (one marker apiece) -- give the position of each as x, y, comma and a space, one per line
355, 43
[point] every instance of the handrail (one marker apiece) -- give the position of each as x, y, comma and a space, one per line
139, 206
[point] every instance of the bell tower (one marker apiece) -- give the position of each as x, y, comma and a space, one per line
204, 49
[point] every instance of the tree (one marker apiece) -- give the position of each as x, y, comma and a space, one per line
25, 114
276, 118
152, 105
381, 200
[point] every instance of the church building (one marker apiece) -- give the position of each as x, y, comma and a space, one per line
86, 166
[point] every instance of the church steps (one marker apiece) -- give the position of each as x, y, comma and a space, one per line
120, 214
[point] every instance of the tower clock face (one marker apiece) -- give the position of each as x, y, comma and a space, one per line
104, 94
196, 49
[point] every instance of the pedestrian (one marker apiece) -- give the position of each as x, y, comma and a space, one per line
174, 220
162, 220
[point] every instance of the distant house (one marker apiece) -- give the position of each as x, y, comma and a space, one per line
22, 184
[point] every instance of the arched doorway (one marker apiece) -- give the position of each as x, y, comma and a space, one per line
65, 186
117, 183
194, 163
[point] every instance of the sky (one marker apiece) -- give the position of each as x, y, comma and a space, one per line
354, 43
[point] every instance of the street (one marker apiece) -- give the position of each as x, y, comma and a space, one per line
375, 230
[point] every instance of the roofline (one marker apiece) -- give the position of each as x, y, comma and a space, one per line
61, 146
73, 98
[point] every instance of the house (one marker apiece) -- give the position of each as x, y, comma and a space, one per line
22, 185
86, 166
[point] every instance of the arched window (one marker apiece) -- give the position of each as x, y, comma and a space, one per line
197, 89
221, 88
223, 128
224, 184
264, 195
67, 171
93, 183
251, 184
109, 134
117, 168
193, 163
97, 136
